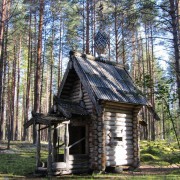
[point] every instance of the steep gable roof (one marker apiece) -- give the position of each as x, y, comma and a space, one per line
104, 81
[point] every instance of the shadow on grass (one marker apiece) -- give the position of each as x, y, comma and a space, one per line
17, 164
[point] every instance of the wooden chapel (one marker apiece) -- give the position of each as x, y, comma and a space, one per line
97, 104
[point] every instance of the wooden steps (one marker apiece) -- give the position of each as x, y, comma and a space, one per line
78, 163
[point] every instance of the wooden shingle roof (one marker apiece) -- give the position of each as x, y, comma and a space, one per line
109, 82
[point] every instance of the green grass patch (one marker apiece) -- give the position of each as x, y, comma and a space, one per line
159, 152
16, 164
19, 160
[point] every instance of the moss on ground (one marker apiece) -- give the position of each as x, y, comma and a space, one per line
159, 152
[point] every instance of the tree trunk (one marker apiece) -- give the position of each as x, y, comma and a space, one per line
116, 33
60, 55
38, 67
174, 20
17, 130
87, 26
2, 26
38, 63
51, 67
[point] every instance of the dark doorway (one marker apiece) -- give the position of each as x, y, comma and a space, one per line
75, 134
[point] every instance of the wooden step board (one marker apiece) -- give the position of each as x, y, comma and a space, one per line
78, 163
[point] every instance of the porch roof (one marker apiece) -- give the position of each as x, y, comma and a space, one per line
65, 111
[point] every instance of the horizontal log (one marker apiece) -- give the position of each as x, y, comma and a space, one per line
124, 146
116, 142
75, 98
118, 118
118, 149
75, 90
124, 152
118, 109
127, 111
75, 94
128, 137
117, 128
88, 106
118, 133
118, 123
59, 165
88, 103
119, 163
119, 157
114, 104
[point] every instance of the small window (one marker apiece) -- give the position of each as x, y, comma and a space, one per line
118, 138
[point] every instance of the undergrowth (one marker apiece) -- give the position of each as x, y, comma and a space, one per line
159, 152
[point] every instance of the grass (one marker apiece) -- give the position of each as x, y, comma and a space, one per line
19, 162
160, 153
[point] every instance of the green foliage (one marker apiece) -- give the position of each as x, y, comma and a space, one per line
160, 152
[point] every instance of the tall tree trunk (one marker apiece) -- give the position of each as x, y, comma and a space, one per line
42, 72
13, 87
2, 26
38, 63
174, 20
51, 67
38, 67
116, 33
87, 26
17, 130
60, 53
28, 81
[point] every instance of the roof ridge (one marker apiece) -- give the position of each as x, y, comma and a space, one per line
97, 59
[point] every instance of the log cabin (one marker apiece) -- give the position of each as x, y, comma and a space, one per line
96, 109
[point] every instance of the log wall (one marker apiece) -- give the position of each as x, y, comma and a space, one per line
121, 132
74, 91
87, 101
96, 143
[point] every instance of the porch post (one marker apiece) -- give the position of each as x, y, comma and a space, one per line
54, 144
66, 154
38, 147
49, 161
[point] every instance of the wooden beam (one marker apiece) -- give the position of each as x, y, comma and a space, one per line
38, 147
55, 140
66, 155
49, 160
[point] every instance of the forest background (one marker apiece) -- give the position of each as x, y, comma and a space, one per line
37, 35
